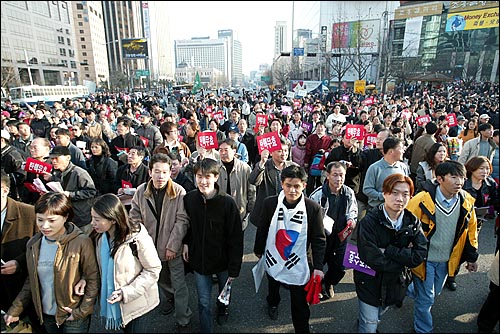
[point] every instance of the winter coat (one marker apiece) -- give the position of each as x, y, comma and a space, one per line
388, 252
75, 259
136, 272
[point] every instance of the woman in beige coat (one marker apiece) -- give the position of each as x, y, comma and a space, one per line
129, 267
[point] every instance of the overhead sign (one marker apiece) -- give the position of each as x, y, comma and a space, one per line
476, 19
135, 48
359, 86
427, 9
462, 6
298, 52
358, 34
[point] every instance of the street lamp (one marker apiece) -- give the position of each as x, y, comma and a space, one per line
109, 78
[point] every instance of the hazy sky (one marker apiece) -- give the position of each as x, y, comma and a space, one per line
252, 23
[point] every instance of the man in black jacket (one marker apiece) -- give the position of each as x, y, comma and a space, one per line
390, 240
214, 241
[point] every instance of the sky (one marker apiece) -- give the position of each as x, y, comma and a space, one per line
252, 23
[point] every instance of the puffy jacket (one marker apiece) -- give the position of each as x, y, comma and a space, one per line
387, 251
75, 258
136, 272
465, 242
103, 173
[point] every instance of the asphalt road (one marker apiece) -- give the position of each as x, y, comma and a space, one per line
454, 312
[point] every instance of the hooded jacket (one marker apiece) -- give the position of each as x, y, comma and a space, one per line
75, 258
465, 241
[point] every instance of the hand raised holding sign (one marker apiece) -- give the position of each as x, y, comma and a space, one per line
263, 158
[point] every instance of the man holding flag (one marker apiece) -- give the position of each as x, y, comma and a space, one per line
197, 85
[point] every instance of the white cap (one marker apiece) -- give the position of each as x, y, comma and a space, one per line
5, 134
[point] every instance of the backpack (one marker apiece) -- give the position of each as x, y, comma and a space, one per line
318, 164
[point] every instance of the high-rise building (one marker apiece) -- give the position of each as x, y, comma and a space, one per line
162, 55
123, 20
235, 56
39, 43
280, 38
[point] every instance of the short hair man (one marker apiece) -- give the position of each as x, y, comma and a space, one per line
159, 205
63, 138
302, 219
482, 145
391, 163
77, 184
452, 210
339, 204
421, 146
214, 239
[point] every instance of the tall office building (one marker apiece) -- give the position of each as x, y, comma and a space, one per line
123, 20
280, 38
91, 43
162, 55
234, 56
38, 43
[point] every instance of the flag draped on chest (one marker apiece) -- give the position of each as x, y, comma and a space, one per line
286, 246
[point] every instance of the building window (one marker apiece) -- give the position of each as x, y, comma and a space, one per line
82, 31
86, 68
82, 39
84, 46
73, 64
79, 16
87, 75
67, 31
69, 41
60, 39
62, 52
79, 6
84, 54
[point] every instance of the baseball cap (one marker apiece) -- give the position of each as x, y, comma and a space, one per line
145, 113
58, 151
484, 116
5, 134
234, 129
460, 118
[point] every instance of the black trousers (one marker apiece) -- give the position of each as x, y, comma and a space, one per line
299, 306
334, 258
489, 316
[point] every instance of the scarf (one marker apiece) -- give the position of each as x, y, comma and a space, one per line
111, 312
286, 246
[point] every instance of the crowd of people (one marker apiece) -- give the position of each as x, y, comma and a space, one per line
109, 202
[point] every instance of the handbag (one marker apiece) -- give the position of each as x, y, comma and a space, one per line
21, 327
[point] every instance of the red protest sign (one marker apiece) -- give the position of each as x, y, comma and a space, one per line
371, 139
31, 187
145, 141
122, 149
369, 101
261, 119
355, 130
208, 139
126, 184
218, 115
451, 119
422, 120
37, 166
269, 141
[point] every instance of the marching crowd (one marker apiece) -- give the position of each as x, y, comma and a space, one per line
109, 202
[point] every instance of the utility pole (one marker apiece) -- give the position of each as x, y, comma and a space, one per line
28, 66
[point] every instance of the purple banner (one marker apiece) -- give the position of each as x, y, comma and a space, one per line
351, 260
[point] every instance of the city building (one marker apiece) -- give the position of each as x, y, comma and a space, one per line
280, 38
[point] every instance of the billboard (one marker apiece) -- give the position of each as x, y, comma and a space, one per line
135, 48
347, 35
476, 19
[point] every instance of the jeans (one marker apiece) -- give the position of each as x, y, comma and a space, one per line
75, 326
424, 293
172, 282
299, 307
141, 324
369, 317
204, 287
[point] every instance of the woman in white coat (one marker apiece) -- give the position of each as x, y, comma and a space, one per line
129, 267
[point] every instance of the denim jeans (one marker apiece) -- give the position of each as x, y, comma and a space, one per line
75, 326
141, 324
369, 317
424, 293
204, 287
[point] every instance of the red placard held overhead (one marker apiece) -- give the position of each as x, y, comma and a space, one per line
269, 141
451, 119
37, 166
126, 184
422, 120
208, 140
261, 119
355, 130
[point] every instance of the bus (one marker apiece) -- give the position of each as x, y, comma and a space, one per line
48, 94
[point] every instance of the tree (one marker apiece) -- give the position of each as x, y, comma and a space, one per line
361, 61
403, 70
118, 80
9, 77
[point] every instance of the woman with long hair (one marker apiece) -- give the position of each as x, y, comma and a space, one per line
101, 167
470, 131
436, 154
129, 266
57, 258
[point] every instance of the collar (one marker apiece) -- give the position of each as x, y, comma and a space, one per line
396, 224
443, 200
